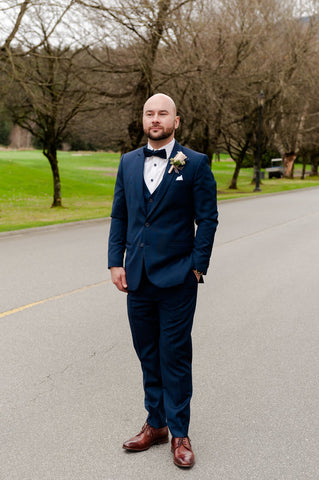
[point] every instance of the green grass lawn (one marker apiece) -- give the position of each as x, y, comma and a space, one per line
26, 186
224, 170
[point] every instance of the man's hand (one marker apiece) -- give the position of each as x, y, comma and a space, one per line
197, 274
118, 276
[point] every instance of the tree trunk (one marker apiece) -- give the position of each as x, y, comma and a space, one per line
135, 128
50, 152
289, 161
207, 146
304, 164
215, 135
314, 165
239, 162
144, 87
233, 183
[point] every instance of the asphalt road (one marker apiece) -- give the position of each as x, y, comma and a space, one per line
71, 384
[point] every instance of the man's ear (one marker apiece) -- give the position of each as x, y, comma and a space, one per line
177, 119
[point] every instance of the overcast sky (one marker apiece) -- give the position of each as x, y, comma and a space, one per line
9, 10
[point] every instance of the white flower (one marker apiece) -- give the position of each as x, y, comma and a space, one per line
178, 162
180, 157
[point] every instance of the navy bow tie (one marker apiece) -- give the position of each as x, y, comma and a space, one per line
157, 153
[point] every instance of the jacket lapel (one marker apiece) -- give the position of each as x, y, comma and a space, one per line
139, 177
165, 183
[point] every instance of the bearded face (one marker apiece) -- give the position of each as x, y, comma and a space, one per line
159, 119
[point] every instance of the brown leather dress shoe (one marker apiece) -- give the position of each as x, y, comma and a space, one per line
183, 453
147, 437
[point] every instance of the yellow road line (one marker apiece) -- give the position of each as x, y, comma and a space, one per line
49, 299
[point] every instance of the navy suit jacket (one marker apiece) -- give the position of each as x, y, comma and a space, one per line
163, 238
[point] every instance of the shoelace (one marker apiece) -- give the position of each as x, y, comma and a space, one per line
144, 427
184, 441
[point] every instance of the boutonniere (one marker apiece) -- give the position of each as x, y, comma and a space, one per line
178, 162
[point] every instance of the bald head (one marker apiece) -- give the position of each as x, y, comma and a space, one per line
159, 119
161, 100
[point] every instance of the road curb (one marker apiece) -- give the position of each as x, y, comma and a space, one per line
55, 226
106, 220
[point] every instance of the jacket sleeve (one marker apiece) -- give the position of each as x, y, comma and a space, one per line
206, 215
117, 237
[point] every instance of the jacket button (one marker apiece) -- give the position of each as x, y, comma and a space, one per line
147, 224
142, 245
151, 200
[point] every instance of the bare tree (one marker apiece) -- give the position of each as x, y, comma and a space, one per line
232, 72
214, 58
295, 90
262, 47
9, 8
46, 91
144, 28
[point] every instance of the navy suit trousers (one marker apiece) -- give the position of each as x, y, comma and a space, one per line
161, 321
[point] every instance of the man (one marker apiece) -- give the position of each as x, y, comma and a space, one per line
156, 202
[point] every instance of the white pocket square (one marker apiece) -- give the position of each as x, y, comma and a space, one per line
180, 178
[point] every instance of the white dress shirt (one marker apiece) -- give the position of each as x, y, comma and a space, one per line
154, 167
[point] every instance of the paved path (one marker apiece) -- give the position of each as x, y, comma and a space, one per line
70, 381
